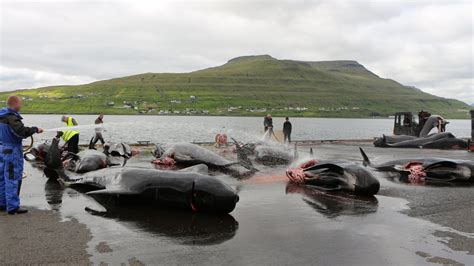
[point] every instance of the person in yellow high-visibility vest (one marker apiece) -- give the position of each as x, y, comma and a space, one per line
70, 136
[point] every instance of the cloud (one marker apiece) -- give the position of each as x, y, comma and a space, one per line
427, 44
23, 78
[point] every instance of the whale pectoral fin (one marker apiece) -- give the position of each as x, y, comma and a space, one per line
183, 157
326, 166
112, 192
400, 168
200, 169
326, 188
85, 187
448, 164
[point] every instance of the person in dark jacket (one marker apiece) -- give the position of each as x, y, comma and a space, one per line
287, 130
12, 132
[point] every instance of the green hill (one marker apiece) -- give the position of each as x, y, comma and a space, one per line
249, 85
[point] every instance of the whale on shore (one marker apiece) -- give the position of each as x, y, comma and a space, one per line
445, 140
335, 175
188, 154
429, 169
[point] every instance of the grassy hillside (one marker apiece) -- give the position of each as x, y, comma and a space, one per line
250, 85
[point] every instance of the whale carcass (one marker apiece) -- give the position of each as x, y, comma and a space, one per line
419, 170
335, 175
187, 154
444, 140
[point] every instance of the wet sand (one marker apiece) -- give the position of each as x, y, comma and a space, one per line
272, 224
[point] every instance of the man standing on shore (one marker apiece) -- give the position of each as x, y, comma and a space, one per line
12, 132
287, 130
71, 137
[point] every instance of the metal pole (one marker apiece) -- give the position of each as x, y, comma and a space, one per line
472, 125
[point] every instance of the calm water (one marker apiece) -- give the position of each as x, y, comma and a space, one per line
198, 128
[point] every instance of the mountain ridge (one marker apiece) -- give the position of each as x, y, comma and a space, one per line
246, 85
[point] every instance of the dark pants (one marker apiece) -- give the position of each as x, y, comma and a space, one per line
73, 144
98, 136
11, 167
287, 136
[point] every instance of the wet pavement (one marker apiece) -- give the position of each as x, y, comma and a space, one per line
273, 223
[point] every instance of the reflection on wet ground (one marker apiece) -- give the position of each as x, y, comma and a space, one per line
53, 192
277, 223
333, 204
182, 227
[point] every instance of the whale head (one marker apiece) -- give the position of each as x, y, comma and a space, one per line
212, 195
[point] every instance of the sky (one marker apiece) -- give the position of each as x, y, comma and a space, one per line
427, 44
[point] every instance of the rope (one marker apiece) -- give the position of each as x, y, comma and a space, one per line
27, 148
25, 151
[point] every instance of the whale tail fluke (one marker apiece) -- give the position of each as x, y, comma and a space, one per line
366, 158
242, 157
54, 162
53, 157
384, 141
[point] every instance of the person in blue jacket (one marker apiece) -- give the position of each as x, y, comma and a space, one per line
12, 132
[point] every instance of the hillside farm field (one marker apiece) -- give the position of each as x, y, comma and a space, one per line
246, 86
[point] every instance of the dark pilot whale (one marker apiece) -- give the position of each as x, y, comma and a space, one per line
188, 154
268, 154
38, 152
189, 188
84, 161
185, 189
425, 169
272, 154
335, 175
445, 140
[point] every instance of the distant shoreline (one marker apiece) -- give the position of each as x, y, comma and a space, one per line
213, 115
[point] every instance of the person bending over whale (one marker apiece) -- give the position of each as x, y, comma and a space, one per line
70, 136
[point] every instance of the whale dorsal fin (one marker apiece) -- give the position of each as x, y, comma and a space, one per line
366, 158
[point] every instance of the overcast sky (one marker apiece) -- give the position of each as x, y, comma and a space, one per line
427, 44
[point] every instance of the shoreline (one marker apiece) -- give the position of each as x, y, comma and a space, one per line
250, 116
